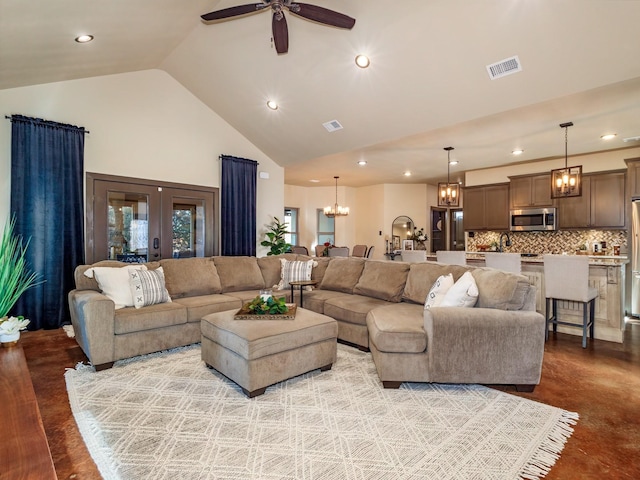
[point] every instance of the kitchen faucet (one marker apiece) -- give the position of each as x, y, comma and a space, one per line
507, 243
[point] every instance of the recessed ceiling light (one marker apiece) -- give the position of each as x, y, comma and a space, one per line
314, 181
407, 174
362, 61
84, 38
453, 162
517, 151
362, 163
272, 104
608, 136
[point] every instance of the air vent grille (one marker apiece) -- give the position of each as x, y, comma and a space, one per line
332, 126
504, 67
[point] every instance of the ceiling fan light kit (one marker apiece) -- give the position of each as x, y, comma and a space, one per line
279, 27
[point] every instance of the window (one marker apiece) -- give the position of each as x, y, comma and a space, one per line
326, 228
291, 221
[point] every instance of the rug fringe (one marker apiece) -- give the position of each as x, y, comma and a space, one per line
68, 329
549, 451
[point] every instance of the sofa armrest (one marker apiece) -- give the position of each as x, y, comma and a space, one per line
483, 345
93, 319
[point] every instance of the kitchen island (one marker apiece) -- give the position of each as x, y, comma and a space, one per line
606, 273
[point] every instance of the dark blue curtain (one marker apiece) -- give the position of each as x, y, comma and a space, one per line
238, 206
47, 163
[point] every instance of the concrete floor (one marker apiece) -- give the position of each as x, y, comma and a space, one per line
601, 383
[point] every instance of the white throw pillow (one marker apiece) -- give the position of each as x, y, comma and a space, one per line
464, 293
147, 287
114, 283
293, 271
438, 290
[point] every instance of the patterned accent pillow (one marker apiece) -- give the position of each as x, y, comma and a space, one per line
438, 290
293, 271
148, 287
114, 283
464, 293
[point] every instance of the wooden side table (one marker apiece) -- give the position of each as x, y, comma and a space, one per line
301, 284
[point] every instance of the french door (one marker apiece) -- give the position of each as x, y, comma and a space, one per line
137, 220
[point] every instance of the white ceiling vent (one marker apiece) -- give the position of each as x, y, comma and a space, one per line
504, 67
332, 126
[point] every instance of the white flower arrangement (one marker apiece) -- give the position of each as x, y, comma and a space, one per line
12, 325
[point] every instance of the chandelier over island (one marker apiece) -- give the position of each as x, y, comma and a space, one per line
567, 181
336, 210
448, 193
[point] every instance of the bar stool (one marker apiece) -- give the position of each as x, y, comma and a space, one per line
566, 277
508, 262
452, 257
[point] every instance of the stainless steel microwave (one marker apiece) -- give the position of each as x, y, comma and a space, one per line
533, 219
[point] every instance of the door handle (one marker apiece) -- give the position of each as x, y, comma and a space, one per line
156, 243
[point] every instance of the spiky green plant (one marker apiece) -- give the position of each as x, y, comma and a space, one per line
15, 276
275, 238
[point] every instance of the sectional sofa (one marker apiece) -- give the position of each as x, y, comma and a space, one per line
379, 306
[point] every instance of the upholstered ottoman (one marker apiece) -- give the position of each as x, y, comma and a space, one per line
258, 353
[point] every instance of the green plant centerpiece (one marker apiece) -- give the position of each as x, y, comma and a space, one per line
271, 306
275, 238
15, 278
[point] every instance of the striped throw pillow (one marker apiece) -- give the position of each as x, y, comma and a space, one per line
293, 271
147, 287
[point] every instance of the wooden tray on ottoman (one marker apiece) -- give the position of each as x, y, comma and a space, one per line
245, 314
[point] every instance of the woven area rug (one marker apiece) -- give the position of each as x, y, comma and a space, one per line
166, 416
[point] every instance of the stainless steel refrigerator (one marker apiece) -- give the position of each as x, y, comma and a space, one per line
635, 258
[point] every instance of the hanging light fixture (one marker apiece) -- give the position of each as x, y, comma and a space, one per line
448, 193
567, 181
336, 210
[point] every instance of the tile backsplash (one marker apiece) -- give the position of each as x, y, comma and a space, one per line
560, 241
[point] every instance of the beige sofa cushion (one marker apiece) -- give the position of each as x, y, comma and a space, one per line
189, 277
343, 274
422, 276
270, 267
239, 273
499, 289
383, 280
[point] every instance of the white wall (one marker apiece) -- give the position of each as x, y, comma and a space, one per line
143, 124
372, 210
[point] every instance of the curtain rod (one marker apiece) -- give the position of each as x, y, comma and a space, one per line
9, 117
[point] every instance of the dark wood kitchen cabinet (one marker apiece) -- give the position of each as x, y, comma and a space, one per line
602, 204
486, 207
528, 191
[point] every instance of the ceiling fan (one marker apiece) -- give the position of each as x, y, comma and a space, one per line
279, 22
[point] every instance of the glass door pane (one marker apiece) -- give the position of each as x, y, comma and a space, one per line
128, 227
188, 223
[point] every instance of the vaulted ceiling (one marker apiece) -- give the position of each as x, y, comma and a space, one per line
427, 86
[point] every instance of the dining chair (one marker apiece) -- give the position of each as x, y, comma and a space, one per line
320, 250
359, 251
370, 251
339, 252
452, 257
508, 262
300, 249
566, 277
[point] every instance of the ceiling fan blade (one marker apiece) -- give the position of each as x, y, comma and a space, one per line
233, 11
280, 32
322, 15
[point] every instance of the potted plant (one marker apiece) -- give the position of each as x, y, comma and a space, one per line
275, 238
15, 279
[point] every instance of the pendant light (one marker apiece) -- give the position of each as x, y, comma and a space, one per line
448, 193
567, 181
336, 210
